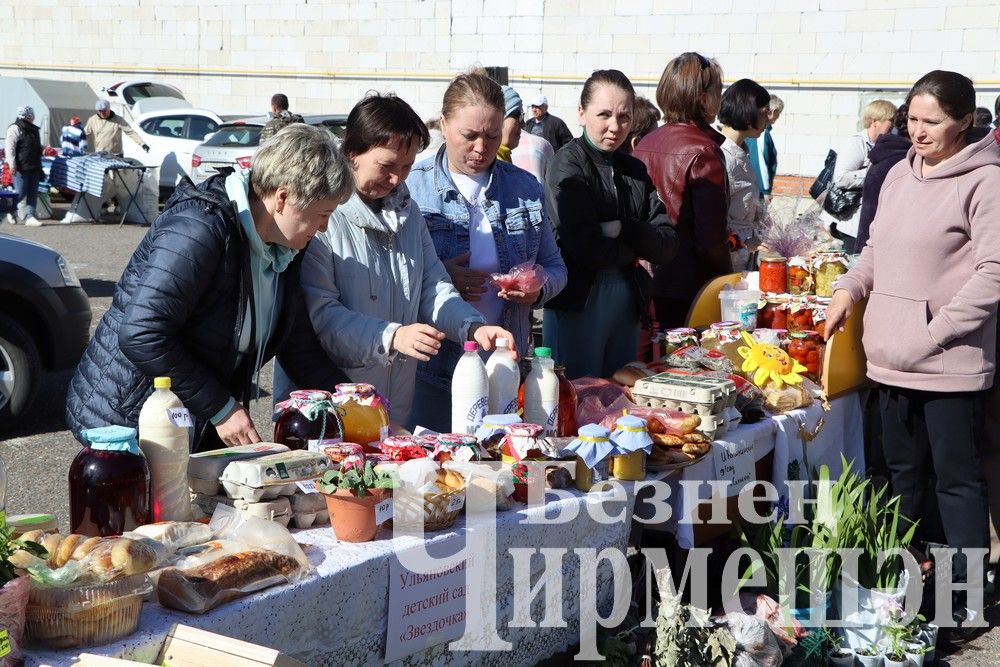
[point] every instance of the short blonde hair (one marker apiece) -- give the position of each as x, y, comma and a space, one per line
878, 110
307, 161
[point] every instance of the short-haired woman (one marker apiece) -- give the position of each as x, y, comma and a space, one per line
645, 118
484, 216
852, 164
684, 158
607, 215
212, 293
931, 273
743, 114
379, 298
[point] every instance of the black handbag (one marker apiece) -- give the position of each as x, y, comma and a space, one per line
825, 178
842, 203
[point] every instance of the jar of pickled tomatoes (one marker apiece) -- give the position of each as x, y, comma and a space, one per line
807, 348
774, 275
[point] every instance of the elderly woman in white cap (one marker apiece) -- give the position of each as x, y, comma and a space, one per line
105, 130
24, 158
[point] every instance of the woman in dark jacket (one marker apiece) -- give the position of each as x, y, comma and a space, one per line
684, 158
212, 293
606, 215
889, 149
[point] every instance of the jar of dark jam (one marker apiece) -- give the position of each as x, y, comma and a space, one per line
308, 420
109, 484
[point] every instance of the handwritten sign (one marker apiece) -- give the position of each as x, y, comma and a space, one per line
180, 417
734, 462
456, 502
425, 609
383, 511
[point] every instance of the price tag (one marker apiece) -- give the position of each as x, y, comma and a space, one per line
308, 486
383, 511
4, 643
456, 502
180, 417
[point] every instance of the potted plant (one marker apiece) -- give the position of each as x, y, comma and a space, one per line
520, 482
839, 656
14, 586
351, 495
870, 656
897, 637
916, 652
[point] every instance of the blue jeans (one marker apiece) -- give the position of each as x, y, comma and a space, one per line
26, 186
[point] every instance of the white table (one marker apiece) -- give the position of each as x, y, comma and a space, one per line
338, 616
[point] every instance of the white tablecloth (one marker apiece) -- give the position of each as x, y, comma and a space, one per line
794, 456
338, 615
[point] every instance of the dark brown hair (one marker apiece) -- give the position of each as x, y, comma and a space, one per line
612, 77
954, 92
472, 88
280, 100
741, 104
645, 116
684, 80
380, 120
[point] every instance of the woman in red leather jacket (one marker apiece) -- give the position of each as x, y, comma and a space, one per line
684, 158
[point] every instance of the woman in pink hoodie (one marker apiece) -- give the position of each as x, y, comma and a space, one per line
931, 273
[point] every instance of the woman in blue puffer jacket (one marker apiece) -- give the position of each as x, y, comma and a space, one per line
212, 293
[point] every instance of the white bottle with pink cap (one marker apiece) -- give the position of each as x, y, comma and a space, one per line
470, 391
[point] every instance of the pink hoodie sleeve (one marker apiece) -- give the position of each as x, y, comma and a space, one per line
977, 299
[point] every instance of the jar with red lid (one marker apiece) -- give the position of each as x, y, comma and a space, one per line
774, 314
724, 337
677, 339
308, 420
800, 316
799, 276
807, 348
774, 275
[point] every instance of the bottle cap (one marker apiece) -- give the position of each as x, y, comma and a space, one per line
470, 346
161, 383
503, 342
543, 352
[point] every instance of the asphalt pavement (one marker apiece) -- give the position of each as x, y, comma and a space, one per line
39, 449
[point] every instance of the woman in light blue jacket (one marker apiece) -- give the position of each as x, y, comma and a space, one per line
379, 298
484, 216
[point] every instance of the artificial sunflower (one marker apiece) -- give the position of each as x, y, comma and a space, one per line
767, 362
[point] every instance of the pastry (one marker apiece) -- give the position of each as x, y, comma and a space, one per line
86, 547
696, 448
132, 556
66, 548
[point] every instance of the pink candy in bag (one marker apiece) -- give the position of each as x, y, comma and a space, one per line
527, 277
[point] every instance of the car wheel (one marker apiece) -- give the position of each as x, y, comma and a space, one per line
20, 369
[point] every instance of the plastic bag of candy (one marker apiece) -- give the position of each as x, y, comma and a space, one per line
527, 277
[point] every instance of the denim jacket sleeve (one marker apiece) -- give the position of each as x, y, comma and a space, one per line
352, 339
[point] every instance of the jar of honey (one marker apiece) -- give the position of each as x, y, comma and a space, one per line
364, 412
632, 443
774, 275
807, 348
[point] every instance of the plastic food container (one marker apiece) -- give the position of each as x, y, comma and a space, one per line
740, 306
712, 399
91, 615
205, 468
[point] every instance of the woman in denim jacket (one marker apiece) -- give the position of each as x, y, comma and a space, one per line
484, 216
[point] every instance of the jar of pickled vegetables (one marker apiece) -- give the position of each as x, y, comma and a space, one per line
774, 275
819, 315
827, 269
774, 314
676, 339
807, 348
800, 315
724, 337
799, 276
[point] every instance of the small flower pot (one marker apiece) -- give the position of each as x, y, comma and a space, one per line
896, 661
870, 660
351, 517
916, 654
840, 657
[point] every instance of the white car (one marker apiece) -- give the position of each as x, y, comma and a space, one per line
124, 94
172, 135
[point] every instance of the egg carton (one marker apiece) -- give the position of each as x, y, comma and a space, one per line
713, 425
692, 394
205, 468
283, 510
272, 476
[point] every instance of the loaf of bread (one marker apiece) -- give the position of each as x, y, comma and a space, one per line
205, 587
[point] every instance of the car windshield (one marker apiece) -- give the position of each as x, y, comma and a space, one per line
336, 128
139, 91
235, 136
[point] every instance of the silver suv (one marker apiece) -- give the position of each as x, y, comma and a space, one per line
44, 321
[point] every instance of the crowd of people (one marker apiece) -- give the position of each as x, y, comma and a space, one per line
627, 215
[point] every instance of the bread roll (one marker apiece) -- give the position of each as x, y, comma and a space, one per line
667, 440
132, 557
450, 480
51, 544
696, 448
33, 535
695, 437
66, 549
86, 547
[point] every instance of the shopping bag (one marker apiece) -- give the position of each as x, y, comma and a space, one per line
824, 181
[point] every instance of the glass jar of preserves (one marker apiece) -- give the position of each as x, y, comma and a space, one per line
799, 276
566, 424
827, 269
819, 315
774, 275
109, 484
774, 314
364, 413
724, 337
800, 315
676, 339
807, 348
308, 420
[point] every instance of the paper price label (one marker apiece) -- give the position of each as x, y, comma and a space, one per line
180, 417
383, 511
456, 502
4, 643
308, 486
